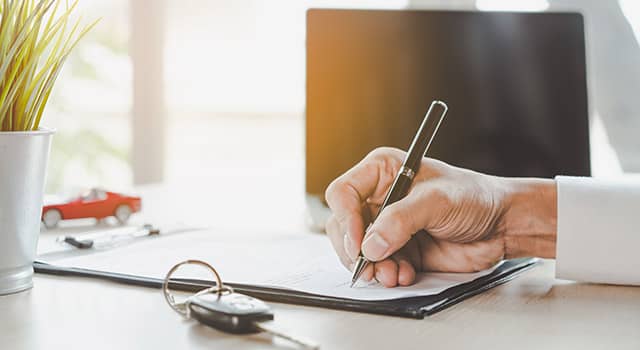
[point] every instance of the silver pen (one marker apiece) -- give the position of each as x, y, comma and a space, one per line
410, 167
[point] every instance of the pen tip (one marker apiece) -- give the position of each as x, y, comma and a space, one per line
357, 270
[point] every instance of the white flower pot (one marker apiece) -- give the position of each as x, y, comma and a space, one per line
23, 164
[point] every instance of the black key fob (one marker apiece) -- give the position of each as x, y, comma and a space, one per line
232, 312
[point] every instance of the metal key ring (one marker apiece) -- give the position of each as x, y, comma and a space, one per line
183, 308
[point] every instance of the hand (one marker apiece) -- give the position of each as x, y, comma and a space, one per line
452, 219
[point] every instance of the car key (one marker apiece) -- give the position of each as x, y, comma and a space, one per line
238, 314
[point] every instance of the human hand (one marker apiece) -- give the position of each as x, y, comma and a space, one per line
452, 219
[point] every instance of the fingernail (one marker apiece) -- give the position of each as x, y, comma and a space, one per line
352, 251
374, 247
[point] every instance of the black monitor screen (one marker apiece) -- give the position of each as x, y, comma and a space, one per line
515, 84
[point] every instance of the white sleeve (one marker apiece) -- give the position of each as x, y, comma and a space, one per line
598, 230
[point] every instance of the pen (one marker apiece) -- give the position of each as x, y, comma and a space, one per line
108, 239
410, 167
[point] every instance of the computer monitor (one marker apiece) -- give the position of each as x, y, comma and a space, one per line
515, 84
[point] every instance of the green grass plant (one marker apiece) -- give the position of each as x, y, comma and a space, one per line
36, 37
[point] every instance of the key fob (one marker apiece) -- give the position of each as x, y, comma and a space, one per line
233, 313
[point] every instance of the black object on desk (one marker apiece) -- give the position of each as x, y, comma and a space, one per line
414, 307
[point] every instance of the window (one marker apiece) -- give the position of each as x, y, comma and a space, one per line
90, 105
232, 88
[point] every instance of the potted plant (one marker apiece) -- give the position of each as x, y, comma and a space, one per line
35, 39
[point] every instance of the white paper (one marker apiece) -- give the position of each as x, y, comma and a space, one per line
300, 261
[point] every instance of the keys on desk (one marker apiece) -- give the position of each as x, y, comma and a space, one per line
221, 308
238, 314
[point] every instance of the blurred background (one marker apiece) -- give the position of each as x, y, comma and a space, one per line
169, 91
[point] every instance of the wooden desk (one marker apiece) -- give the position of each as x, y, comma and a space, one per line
534, 311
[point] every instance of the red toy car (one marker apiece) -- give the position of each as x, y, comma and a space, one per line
96, 203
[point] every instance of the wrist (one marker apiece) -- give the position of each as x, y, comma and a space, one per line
530, 218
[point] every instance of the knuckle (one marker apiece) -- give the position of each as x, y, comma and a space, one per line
331, 190
432, 163
382, 153
335, 192
435, 164
385, 160
435, 195
439, 196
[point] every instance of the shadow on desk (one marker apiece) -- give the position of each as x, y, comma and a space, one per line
603, 293
203, 336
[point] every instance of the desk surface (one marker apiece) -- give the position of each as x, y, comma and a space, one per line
534, 311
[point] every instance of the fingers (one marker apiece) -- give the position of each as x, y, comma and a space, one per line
398, 222
406, 273
337, 239
408, 259
367, 274
344, 197
386, 272
395, 271
347, 195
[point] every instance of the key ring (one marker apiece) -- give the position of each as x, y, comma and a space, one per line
183, 308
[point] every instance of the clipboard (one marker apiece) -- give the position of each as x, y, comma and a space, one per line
414, 307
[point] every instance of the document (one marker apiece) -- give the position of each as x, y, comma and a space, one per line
304, 262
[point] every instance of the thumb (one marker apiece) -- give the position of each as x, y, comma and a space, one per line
396, 224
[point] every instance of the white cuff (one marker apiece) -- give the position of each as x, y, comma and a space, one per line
598, 230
